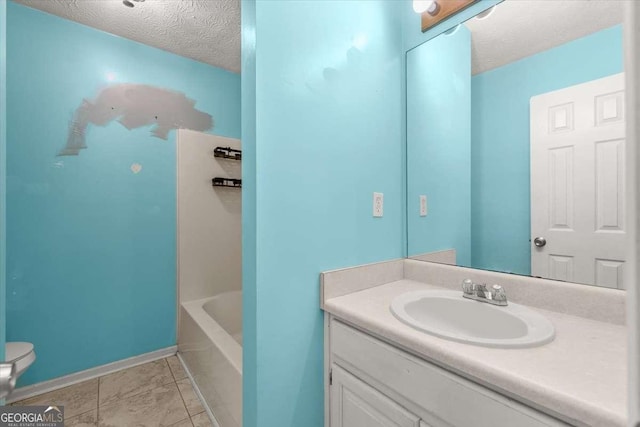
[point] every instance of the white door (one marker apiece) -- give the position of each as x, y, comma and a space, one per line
577, 183
355, 404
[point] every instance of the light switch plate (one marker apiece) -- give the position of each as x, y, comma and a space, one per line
378, 205
423, 205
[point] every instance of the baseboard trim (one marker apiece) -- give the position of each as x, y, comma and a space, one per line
88, 374
212, 417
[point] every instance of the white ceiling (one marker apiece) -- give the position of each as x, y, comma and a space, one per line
204, 30
519, 28
209, 30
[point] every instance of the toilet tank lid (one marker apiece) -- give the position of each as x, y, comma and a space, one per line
14, 351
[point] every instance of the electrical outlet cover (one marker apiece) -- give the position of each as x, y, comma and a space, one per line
423, 205
378, 205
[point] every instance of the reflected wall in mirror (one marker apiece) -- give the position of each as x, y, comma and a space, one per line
516, 139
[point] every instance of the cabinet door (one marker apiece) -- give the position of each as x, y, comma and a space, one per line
439, 397
355, 404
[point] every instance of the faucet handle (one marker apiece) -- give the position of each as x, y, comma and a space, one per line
498, 293
468, 286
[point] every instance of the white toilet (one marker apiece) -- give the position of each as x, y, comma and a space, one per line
20, 353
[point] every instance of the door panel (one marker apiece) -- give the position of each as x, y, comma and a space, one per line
609, 179
577, 183
561, 187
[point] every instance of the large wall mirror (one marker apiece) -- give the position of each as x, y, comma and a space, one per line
516, 142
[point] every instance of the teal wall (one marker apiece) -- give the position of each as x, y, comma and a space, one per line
91, 268
328, 118
500, 185
439, 144
3, 171
249, 217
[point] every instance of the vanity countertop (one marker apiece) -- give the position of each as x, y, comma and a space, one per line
580, 377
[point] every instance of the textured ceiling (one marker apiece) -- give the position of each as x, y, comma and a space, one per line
209, 30
204, 30
519, 28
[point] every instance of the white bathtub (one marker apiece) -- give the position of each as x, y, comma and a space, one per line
210, 343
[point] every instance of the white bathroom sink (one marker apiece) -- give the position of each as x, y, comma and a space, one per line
448, 315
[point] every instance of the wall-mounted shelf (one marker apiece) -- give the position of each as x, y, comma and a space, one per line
227, 153
226, 182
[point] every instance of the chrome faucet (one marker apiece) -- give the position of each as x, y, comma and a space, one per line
477, 292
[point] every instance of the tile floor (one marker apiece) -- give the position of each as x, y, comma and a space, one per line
154, 394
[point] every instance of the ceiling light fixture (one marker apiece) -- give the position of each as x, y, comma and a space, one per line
430, 6
453, 30
485, 14
128, 3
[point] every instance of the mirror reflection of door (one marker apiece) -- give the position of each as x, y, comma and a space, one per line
515, 137
577, 183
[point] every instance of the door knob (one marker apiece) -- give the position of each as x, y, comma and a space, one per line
539, 241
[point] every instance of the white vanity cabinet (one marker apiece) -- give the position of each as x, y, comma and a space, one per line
356, 404
374, 384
